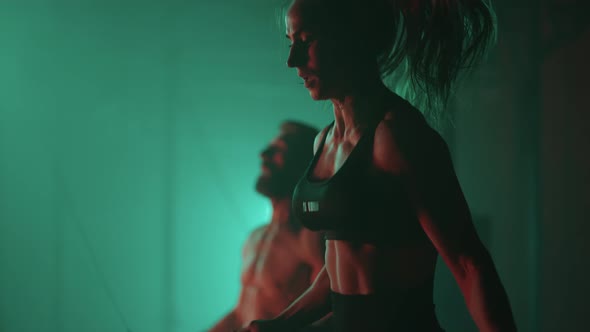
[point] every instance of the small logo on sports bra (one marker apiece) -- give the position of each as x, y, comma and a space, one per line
311, 206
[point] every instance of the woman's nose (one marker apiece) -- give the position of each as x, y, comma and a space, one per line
295, 58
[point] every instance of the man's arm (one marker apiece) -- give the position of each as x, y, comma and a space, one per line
232, 320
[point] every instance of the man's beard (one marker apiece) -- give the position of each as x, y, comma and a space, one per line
277, 185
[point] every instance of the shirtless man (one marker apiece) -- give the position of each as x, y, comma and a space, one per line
281, 258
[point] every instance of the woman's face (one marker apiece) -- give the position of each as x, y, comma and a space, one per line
318, 51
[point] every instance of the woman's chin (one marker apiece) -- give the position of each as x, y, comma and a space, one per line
317, 95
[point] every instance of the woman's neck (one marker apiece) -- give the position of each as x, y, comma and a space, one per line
354, 112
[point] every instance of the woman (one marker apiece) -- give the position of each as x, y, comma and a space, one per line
381, 185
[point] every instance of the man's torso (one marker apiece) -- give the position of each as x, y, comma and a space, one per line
275, 271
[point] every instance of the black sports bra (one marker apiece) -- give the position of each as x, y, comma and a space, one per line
358, 203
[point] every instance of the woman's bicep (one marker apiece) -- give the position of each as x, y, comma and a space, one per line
443, 211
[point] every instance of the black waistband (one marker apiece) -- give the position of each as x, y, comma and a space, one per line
405, 311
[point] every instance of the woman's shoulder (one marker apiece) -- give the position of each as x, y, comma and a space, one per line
404, 138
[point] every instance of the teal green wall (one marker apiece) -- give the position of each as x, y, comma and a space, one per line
129, 137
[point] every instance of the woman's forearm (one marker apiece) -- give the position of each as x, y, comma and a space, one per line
486, 298
311, 306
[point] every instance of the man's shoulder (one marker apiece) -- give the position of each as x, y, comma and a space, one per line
257, 232
253, 238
